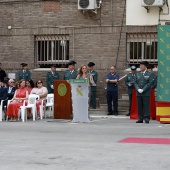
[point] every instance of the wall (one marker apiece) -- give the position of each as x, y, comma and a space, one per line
138, 15
92, 37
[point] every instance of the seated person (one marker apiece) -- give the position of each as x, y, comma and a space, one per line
10, 91
20, 95
42, 92
3, 92
6, 79
29, 85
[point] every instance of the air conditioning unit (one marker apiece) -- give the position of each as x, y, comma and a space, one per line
87, 4
158, 3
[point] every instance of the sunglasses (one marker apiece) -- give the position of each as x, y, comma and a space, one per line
39, 82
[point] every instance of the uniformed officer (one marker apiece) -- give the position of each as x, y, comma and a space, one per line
24, 73
93, 85
2, 74
129, 82
71, 73
112, 80
51, 76
142, 83
154, 77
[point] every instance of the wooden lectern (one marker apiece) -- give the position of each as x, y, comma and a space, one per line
62, 100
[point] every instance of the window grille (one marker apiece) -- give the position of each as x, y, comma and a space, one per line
142, 47
52, 49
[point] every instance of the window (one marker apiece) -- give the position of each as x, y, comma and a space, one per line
51, 49
142, 47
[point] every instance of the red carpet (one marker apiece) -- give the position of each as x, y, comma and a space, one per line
165, 141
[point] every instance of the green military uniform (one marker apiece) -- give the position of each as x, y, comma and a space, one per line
70, 75
93, 88
154, 81
51, 76
24, 74
129, 82
153, 76
144, 82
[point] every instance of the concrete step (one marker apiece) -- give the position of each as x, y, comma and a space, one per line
120, 105
99, 111
123, 106
125, 96
104, 107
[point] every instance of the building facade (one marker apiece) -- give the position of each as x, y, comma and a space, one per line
42, 32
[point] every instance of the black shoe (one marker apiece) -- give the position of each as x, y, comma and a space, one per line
139, 121
115, 113
128, 114
110, 113
146, 121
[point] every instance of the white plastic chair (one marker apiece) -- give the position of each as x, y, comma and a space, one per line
1, 111
42, 109
49, 104
31, 104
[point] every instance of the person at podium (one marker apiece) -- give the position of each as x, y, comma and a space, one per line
71, 73
129, 82
83, 74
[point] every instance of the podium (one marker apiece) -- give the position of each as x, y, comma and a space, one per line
62, 100
134, 107
80, 91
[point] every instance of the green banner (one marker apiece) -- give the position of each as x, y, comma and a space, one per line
79, 81
163, 86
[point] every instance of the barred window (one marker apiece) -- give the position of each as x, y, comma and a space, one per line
142, 47
51, 49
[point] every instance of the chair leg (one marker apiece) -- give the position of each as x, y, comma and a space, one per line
0, 113
41, 112
19, 113
45, 113
5, 112
22, 113
52, 111
33, 113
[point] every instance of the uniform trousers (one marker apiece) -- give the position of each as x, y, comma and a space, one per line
130, 102
93, 99
143, 107
112, 96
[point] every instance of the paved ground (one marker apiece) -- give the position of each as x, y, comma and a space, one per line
62, 145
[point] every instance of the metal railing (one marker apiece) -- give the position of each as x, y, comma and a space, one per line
142, 46
52, 49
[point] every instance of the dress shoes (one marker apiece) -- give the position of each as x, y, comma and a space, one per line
139, 121
110, 113
115, 113
146, 121
128, 114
